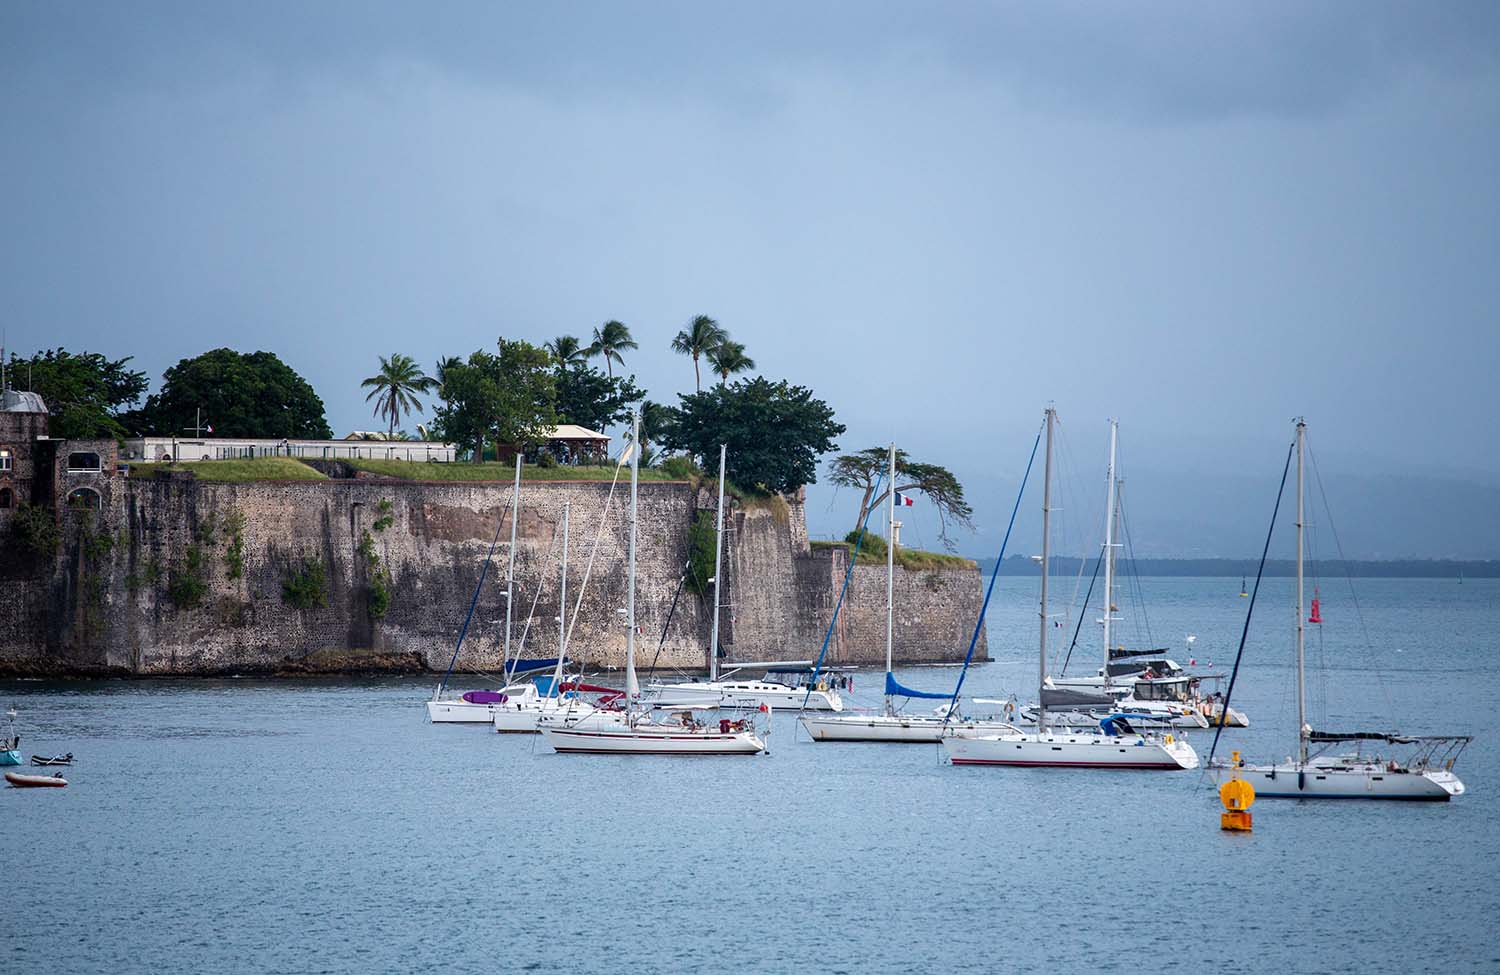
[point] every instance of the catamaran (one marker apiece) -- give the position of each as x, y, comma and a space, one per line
634, 731
1316, 773
732, 690
891, 724
1116, 743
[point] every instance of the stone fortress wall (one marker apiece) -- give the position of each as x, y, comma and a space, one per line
111, 601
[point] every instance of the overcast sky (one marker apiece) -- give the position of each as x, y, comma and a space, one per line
1200, 218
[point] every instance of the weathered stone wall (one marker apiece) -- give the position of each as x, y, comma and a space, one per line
113, 601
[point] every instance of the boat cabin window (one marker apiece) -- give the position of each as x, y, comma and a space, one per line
1161, 690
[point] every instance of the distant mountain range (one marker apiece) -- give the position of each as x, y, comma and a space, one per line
1017, 565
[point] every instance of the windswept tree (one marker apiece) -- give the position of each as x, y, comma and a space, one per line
775, 432
728, 358
610, 339
861, 470
699, 339
395, 387
566, 349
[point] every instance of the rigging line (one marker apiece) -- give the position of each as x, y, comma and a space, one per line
670, 612
1260, 572
1139, 609
990, 590
1359, 612
594, 548
525, 630
463, 630
1082, 612
848, 574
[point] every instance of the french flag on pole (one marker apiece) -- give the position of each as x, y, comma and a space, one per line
903, 500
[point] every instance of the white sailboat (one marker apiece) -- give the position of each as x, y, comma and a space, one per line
1116, 744
1138, 682
480, 706
635, 732
890, 724
1425, 774
732, 691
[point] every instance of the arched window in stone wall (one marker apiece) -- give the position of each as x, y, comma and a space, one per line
7, 499
84, 498
84, 461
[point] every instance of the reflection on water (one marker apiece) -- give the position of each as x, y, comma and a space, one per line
323, 826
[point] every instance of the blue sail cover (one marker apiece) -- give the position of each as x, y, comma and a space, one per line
893, 688
530, 666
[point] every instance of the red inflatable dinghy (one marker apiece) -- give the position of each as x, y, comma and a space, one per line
33, 781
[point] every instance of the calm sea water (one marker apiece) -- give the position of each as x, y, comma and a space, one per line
324, 826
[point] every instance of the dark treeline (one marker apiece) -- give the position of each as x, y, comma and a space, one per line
1390, 569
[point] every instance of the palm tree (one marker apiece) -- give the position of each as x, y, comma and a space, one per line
728, 358
444, 364
609, 340
566, 349
701, 337
394, 388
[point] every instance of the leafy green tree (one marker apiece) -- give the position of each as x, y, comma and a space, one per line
86, 394
728, 358
775, 431
610, 340
701, 337
861, 470
508, 395
395, 387
589, 398
566, 349
241, 394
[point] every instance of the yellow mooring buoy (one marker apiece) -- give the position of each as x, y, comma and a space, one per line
1238, 796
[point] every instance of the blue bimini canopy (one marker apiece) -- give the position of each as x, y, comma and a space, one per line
894, 689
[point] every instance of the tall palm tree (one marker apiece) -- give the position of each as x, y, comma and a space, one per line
443, 365
566, 349
701, 337
728, 358
394, 388
609, 340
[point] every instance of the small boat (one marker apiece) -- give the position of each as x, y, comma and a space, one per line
53, 760
21, 781
10, 747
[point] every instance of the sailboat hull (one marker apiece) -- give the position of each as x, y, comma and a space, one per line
459, 712
1362, 780
745, 694
1063, 750
643, 741
916, 730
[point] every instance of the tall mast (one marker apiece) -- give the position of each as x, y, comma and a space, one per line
510, 573
890, 572
713, 637
1109, 552
632, 685
1041, 708
1301, 681
562, 590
